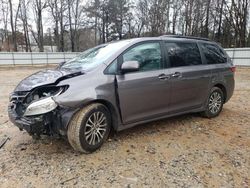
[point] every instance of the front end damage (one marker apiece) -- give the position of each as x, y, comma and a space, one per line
36, 111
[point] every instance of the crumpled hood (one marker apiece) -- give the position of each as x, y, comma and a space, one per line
45, 77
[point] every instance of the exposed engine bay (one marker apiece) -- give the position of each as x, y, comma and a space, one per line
42, 92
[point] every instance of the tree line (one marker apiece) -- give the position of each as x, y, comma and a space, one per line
75, 25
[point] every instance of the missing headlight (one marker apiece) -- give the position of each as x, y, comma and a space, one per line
40, 100
44, 92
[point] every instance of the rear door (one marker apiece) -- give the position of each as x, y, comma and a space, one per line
144, 94
215, 58
189, 76
219, 64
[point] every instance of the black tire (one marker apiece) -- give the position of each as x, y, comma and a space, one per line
209, 111
80, 131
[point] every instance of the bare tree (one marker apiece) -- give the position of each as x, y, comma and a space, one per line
226, 21
23, 16
100, 10
75, 10
119, 11
237, 17
220, 19
55, 12
61, 15
207, 18
4, 17
39, 5
12, 26
154, 16
13, 23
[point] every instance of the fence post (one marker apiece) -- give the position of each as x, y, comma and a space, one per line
31, 58
233, 55
13, 59
47, 56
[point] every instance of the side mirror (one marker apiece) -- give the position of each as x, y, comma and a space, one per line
130, 66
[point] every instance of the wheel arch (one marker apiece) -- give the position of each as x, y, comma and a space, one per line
111, 109
224, 90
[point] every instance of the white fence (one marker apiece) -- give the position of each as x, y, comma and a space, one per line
240, 56
34, 58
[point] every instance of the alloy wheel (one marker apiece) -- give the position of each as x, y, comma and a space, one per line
96, 127
215, 102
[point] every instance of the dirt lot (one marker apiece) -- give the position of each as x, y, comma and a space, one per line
185, 151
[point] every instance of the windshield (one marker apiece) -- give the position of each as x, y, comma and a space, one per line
93, 57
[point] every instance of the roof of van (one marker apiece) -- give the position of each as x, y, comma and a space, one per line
184, 37
170, 37
165, 37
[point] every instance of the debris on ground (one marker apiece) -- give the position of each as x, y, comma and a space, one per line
4, 141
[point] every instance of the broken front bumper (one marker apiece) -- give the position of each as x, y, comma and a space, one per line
33, 125
52, 123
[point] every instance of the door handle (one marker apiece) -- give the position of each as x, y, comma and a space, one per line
176, 75
163, 77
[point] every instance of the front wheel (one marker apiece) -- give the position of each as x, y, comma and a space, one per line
214, 103
89, 128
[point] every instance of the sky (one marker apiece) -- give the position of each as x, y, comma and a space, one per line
47, 22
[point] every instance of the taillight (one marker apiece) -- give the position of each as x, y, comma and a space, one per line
233, 69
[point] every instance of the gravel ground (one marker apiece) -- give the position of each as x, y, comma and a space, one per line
184, 151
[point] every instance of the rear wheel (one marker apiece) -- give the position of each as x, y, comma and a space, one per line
214, 103
89, 128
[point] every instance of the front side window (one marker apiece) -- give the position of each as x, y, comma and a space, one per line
112, 69
147, 54
213, 54
183, 54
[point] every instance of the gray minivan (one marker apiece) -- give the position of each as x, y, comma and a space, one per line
121, 84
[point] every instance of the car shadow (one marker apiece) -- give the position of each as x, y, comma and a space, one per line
52, 145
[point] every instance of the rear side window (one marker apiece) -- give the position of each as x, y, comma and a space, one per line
183, 54
213, 54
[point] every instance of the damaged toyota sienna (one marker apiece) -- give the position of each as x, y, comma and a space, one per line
122, 84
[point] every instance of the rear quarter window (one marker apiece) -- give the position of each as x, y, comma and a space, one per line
213, 54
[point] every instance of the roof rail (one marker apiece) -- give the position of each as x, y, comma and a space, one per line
186, 37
